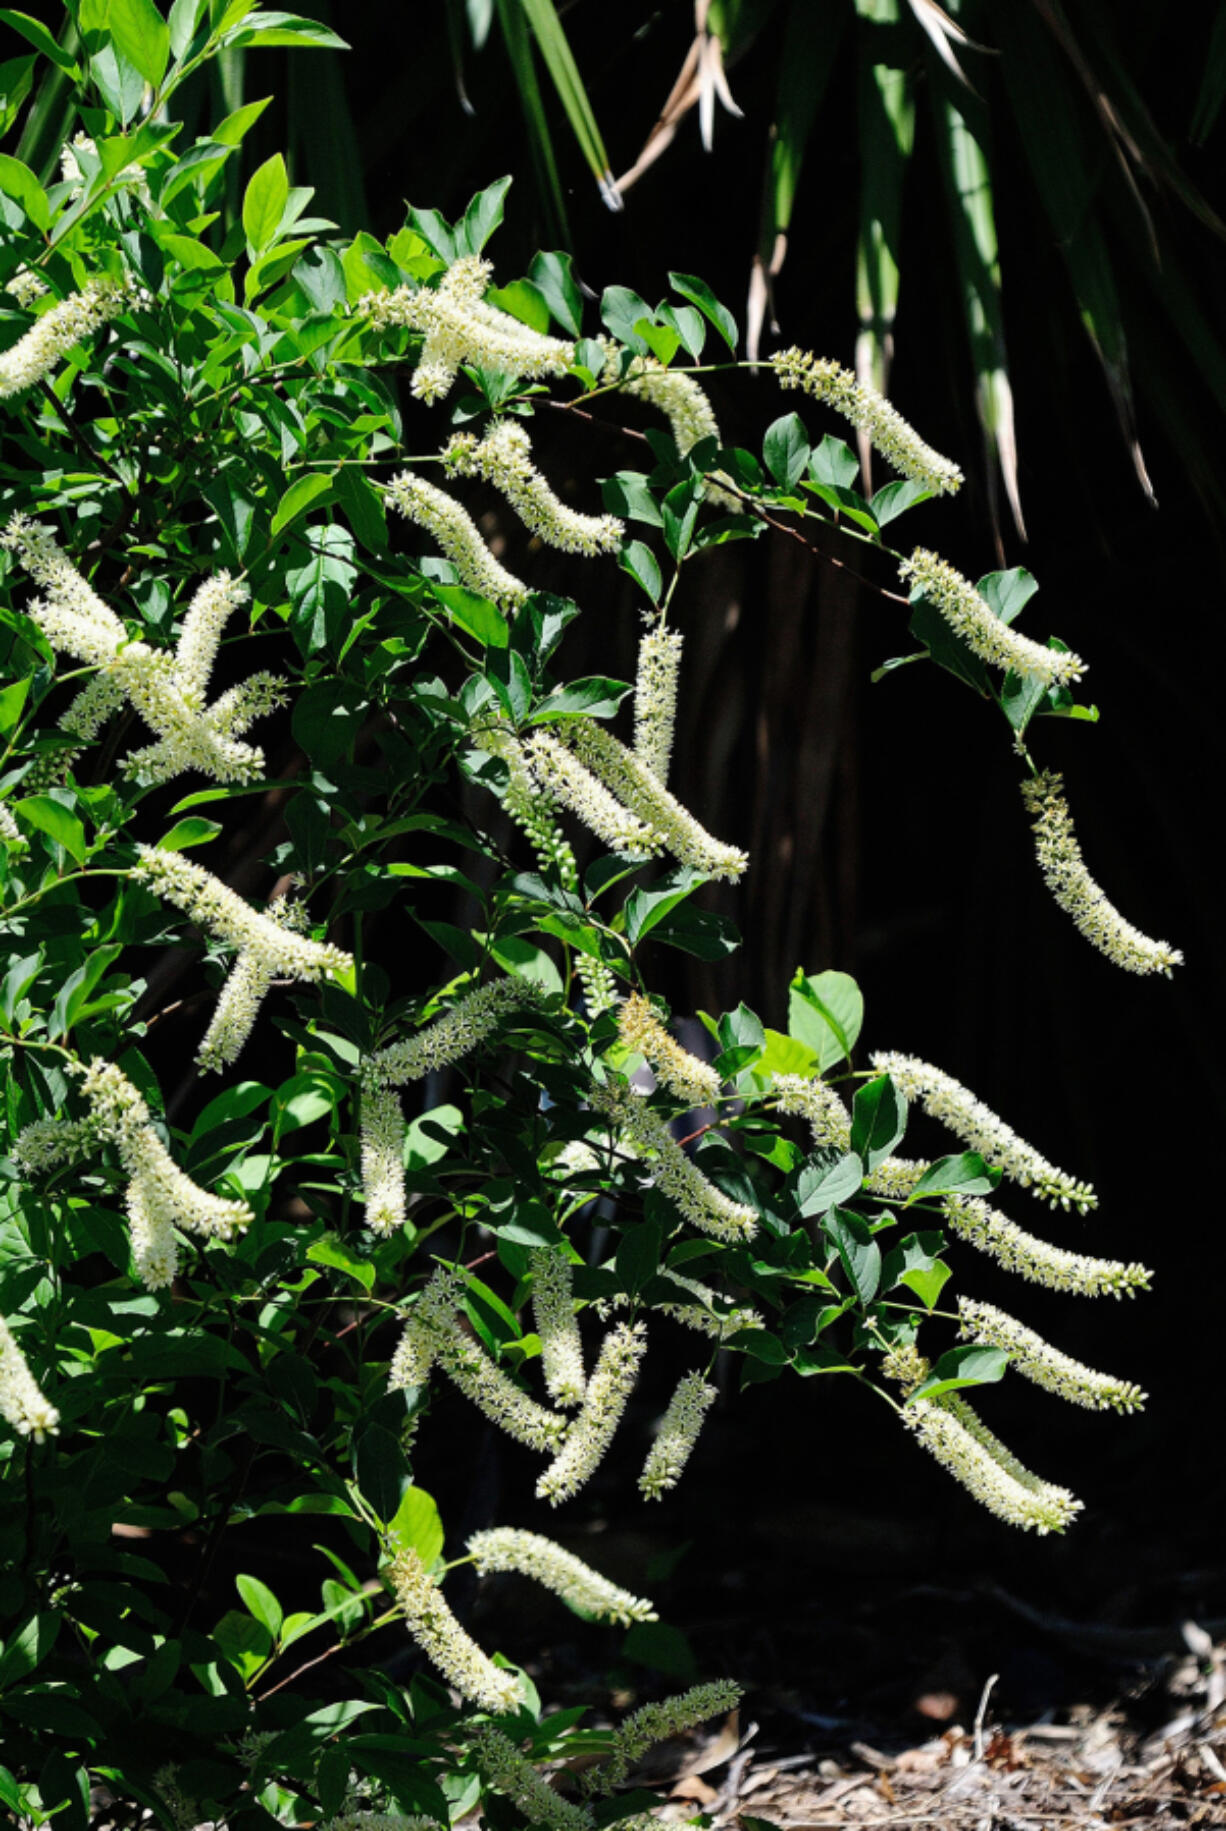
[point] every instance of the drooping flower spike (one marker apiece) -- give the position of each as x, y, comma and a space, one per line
64, 325
571, 782
444, 1642
676, 1436
456, 533
977, 1126
509, 1772
460, 327
984, 633
382, 1151
685, 406
473, 1018
678, 1176
22, 1404
553, 1311
656, 1723
506, 1548
604, 1402
1036, 1360
160, 1196
504, 458
953, 1433
870, 413
684, 1075
655, 699
637, 788
1064, 871
972, 1220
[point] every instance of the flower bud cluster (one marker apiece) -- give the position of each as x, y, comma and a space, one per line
1046, 1366
10, 833
952, 1432
592, 1431
44, 1144
656, 1723
692, 1081
160, 1197
504, 458
1064, 871
972, 1220
984, 633
65, 324
977, 1126
676, 1436
473, 1018
553, 1311
22, 1405
443, 1640
655, 699
456, 533
459, 326
25, 286
702, 1315
640, 790
680, 1179
506, 1771
526, 800
532, 1555
870, 413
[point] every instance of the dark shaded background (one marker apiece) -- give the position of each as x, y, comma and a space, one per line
888, 839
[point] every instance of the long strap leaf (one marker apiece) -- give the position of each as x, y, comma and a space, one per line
559, 59
886, 133
540, 139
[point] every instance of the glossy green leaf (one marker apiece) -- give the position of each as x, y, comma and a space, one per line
959, 1367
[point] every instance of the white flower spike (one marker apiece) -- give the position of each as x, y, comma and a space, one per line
506, 1548
456, 533
444, 1642
460, 327
870, 413
1038, 1361
21, 1402
504, 458
677, 1436
984, 633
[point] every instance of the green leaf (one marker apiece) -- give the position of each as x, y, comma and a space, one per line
1008, 593
701, 932
786, 450
333, 1250
968, 1366
261, 1602
948, 650
878, 1120
699, 293
265, 30
963, 1174
638, 1257
417, 1526
142, 35
552, 275
916, 1264
649, 904
859, 1253
547, 28
29, 1646
18, 182
473, 613
834, 463
825, 1012
597, 696
49, 816
12, 705
35, 33
195, 831
482, 217
640, 562
382, 1470
893, 499
301, 495
821, 1186
264, 203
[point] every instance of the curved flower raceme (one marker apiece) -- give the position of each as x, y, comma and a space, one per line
382, 1146
677, 1435
504, 458
972, 1220
1065, 874
459, 326
443, 1640
532, 1555
656, 1723
685, 406
160, 1196
870, 413
49, 339
1046, 1366
984, 633
569, 781
268, 946
509, 1772
591, 1433
655, 699
678, 1177
526, 799
473, 1018
980, 1128
166, 688
22, 1404
553, 1311
952, 1432
684, 1075
456, 533
637, 788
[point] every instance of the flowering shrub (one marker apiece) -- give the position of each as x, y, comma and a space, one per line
231, 1300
